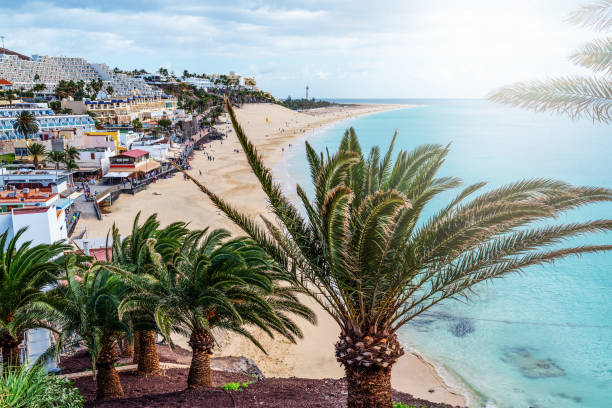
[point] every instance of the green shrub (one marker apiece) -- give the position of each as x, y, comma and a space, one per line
235, 386
34, 388
401, 405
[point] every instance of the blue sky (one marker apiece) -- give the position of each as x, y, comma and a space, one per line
343, 48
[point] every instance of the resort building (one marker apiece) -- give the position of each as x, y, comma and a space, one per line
26, 72
201, 83
125, 110
46, 118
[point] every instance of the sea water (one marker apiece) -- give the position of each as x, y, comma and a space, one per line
539, 339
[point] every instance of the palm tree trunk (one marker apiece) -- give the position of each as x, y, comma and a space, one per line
128, 348
11, 357
368, 387
107, 379
367, 361
201, 343
136, 348
148, 361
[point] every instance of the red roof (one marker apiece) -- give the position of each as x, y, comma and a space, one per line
5, 82
134, 153
9, 52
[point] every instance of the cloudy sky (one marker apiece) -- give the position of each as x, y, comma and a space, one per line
340, 48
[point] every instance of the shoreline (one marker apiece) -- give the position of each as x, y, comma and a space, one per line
271, 128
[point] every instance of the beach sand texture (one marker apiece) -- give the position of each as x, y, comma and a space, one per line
229, 176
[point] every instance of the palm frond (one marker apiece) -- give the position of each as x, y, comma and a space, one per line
577, 97
597, 15
596, 55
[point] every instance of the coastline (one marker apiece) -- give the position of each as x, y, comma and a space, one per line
271, 128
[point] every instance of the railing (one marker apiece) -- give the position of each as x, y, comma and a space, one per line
97, 210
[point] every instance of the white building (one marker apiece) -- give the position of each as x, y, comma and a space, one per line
43, 213
25, 73
202, 83
56, 180
95, 158
46, 118
156, 151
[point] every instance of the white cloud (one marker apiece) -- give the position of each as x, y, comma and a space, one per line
389, 48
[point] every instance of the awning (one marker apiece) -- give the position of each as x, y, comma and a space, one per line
119, 174
150, 166
75, 195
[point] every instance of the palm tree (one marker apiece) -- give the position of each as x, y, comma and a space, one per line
38, 152
24, 271
26, 124
137, 124
368, 259
110, 90
134, 254
71, 153
575, 96
57, 158
216, 285
87, 306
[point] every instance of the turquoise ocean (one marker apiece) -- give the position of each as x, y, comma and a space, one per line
539, 339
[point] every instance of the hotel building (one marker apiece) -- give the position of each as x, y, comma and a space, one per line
125, 110
25, 72
46, 118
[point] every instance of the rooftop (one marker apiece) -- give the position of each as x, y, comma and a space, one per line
134, 153
31, 195
9, 52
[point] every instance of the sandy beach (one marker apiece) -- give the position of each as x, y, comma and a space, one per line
229, 176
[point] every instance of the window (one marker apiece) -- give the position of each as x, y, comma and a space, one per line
93, 156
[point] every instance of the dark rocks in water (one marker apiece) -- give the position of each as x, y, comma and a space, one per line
532, 366
573, 398
462, 328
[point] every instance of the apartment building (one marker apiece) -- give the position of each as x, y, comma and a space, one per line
125, 110
24, 73
46, 118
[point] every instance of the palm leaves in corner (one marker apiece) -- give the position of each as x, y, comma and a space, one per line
364, 254
576, 97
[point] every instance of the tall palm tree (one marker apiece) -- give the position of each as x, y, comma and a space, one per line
575, 96
369, 260
134, 254
24, 271
56, 158
38, 152
213, 284
87, 306
26, 124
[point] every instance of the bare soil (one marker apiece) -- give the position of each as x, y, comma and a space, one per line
169, 390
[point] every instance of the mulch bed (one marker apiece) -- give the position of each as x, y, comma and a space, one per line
169, 390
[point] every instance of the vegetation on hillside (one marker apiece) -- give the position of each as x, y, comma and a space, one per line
300, 104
